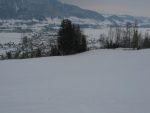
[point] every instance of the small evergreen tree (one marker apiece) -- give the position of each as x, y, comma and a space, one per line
146, 41
38, 54
54, 51
135, 40
9, 55
136, 37
16, 56
83, 46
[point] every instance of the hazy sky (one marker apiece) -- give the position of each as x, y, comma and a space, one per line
132, 7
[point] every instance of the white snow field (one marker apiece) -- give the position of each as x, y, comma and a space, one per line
91, 33
101, 81
10, 37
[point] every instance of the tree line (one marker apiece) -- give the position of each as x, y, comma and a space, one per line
128, 37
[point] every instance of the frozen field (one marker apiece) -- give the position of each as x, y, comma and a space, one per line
101, 81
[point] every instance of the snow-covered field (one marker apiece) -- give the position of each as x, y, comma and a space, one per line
10, 37
91, 33
101, 81
95, 33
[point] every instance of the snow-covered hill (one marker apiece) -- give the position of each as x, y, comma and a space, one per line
122, 20
102, 81
40, 10
29, 9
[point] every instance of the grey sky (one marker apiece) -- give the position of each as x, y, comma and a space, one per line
132, 7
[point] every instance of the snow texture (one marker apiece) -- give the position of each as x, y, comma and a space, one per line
10, 37
101, 81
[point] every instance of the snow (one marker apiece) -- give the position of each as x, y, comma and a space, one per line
56, 21
10, 37
101, 81
92, 33
75, 20
95, 33
144, 30
84, 21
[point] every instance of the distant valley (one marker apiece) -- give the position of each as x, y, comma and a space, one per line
55, 10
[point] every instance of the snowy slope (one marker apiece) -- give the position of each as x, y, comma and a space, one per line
102, 81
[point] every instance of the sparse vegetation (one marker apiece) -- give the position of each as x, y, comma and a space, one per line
125, 38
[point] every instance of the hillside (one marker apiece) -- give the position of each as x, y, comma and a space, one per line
40, 9
101, 81
43, 9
